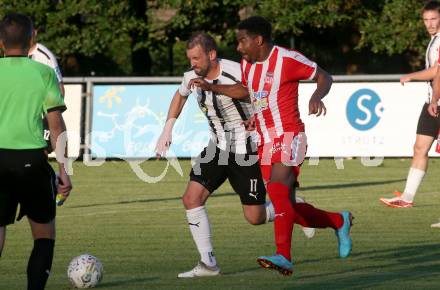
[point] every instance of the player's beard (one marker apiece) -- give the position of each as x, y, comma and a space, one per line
203, 72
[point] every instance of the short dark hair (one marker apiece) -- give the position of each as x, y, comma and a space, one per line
257, 25
431, 5
16, 31
203, 39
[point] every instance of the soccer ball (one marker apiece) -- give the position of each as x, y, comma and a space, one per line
85, 271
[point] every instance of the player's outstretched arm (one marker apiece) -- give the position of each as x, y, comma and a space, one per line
423, 75
324, 82
235, 91
164, 141
57, 134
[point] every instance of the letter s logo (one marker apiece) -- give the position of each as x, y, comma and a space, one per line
364, 109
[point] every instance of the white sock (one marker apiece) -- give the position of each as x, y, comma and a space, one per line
201, 232
415, 177
270, 211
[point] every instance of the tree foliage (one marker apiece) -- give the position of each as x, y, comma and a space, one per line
146, 37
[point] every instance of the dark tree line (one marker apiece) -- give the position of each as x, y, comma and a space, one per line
129, 37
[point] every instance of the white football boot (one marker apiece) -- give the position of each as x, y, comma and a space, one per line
200, 270
436, 225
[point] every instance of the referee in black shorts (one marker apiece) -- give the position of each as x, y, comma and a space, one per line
29, 89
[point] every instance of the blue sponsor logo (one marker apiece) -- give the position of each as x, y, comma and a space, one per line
364, 109
261, 94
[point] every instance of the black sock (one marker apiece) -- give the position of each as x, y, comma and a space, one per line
39, 264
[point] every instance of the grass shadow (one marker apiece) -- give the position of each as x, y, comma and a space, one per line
126, 282
215, 195
411, 265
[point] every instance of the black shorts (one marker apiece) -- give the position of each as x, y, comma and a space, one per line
213, 166
26, 178
428, 125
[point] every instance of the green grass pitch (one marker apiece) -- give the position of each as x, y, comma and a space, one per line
139, 232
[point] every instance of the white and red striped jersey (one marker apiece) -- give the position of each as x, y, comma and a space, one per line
273, 87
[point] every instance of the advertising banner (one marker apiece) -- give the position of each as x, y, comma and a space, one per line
127, 121
365, 119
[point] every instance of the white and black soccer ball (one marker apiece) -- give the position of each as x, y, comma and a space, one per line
85, 271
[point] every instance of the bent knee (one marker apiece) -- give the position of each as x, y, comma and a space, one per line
420, 150
256, 219
192, 201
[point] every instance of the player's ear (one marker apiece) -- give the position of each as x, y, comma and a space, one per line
34, 37
212, 55
260, 40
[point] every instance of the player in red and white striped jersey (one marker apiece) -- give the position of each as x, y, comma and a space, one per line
270, 76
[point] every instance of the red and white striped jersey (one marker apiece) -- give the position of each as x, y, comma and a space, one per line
273, 88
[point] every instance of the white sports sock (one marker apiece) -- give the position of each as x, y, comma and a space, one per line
415, 177
270, 211
201, 232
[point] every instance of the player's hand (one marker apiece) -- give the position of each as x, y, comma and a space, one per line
200, 83
317, 107
433, 109
404, 79
249, 124
64, 183
163, 144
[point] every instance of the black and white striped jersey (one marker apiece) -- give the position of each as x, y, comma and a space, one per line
432, 58
43, 55
225, 115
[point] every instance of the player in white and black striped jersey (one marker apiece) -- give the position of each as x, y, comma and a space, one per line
42, 54
225, 115
230, 142
428, 126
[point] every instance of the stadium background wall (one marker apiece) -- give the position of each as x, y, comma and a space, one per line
118, 117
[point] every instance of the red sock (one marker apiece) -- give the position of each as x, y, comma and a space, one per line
284, 217
309, 216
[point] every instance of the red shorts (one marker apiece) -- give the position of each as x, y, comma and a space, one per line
289, 149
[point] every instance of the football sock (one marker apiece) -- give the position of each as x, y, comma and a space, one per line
40, 263
201, 232
270, 211
284, 217
309, 216
415, 177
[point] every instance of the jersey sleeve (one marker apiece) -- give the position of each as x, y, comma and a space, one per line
53, 100
298, 67
183, 89
243, 65
438, 56
58, 73
53, 63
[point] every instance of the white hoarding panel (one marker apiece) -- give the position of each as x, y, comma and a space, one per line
364, 119
72, 118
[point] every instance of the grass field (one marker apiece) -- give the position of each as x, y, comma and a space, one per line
139, 232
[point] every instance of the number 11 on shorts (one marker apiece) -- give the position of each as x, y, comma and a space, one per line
253, 185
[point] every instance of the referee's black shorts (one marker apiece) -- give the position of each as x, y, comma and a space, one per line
26, 178
428, 125
213, 166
